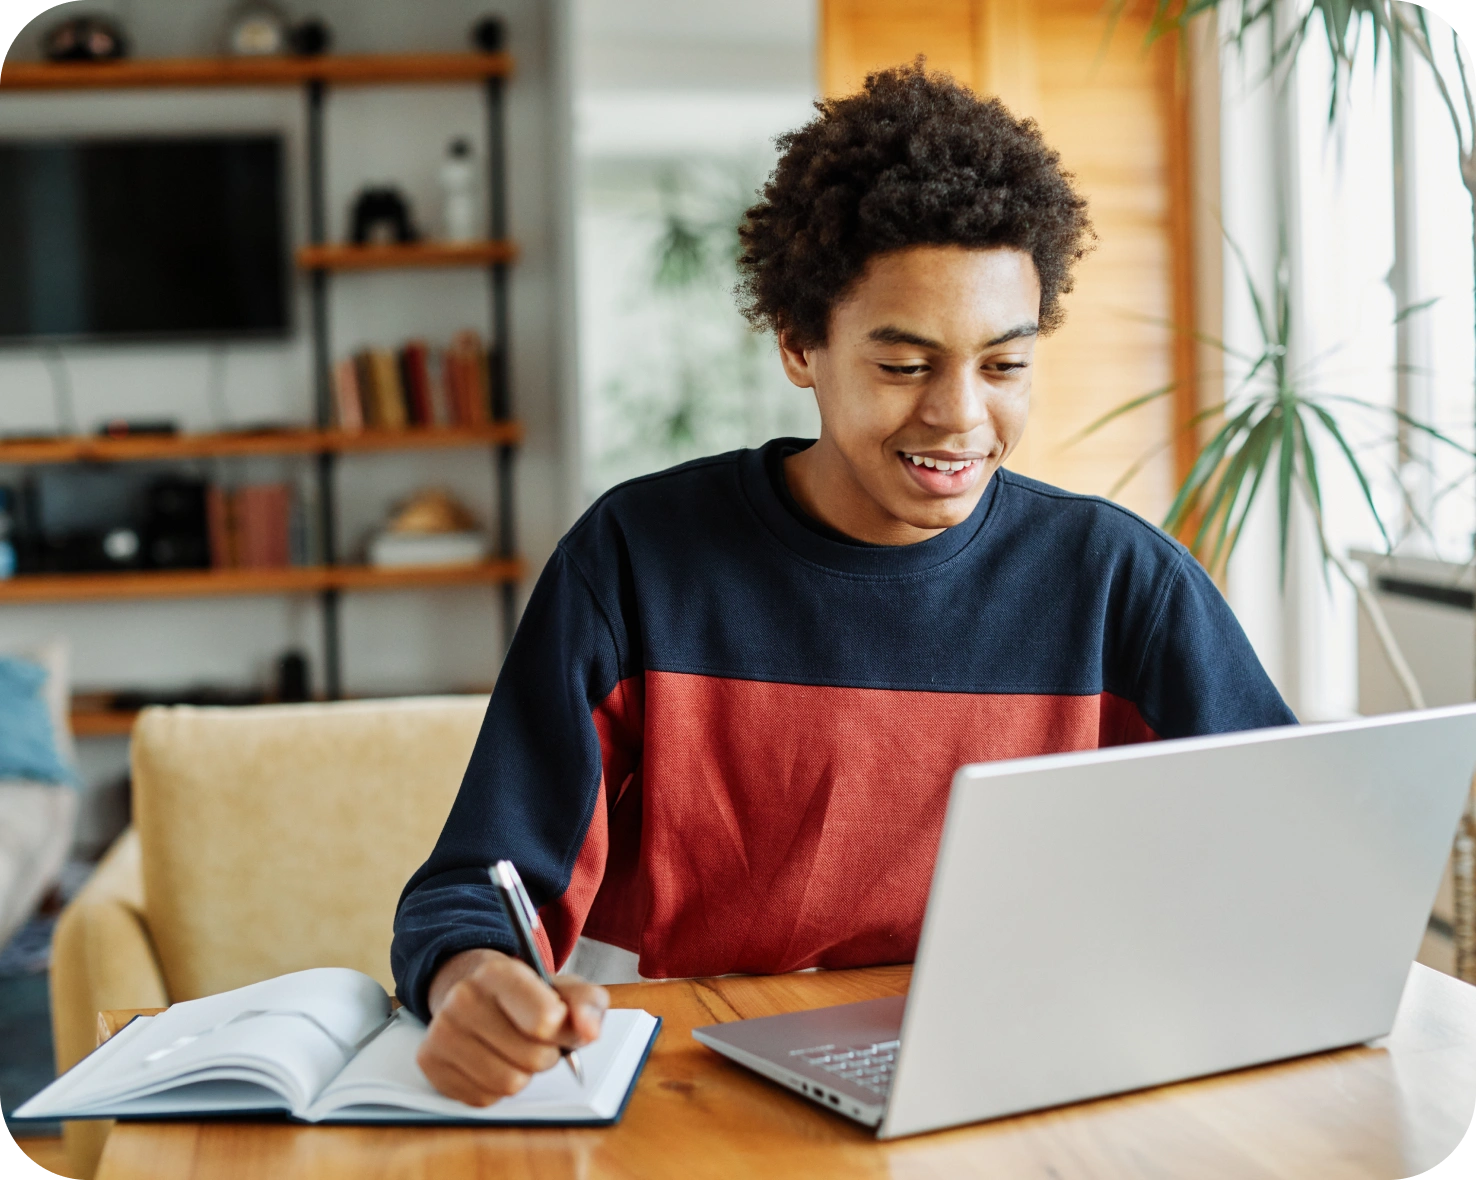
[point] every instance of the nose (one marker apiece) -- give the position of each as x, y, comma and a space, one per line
956, 401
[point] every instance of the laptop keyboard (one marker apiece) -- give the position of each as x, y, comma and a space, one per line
868, 1066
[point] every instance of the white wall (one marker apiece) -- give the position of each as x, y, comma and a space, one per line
676, 110
409, 641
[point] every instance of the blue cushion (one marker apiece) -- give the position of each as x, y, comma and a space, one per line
27, 737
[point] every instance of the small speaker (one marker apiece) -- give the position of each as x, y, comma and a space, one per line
292, 677
489, 34
310, 38
177, 535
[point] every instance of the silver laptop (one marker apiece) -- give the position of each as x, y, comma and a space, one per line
1122, 918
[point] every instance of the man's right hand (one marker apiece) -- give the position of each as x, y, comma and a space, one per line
494, 1024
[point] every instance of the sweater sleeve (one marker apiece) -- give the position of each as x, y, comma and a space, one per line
532, 793
1199, 673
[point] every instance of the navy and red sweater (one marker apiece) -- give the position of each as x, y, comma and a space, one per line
724, 735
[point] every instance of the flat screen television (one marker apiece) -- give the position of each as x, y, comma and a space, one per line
142, 238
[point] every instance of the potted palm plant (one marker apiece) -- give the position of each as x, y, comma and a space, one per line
1262, 439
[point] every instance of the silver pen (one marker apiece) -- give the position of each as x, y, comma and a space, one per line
524, 919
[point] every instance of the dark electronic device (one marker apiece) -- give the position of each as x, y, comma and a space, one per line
143, 238
310, 37
488, 34
84, 38
382, 215
292, 677
176, 529
133, 427
81, 519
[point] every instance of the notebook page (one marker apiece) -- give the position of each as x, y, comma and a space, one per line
385, 1075
291, 1035
57, 1096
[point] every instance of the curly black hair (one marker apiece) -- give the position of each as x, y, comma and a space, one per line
913, 159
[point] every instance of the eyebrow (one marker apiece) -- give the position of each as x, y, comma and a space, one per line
893, 335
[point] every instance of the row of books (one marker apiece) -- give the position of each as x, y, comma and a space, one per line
418, 385
252, 527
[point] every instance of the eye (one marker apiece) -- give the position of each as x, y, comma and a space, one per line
904, 370
1008, 366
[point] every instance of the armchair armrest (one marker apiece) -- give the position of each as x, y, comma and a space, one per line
101, 958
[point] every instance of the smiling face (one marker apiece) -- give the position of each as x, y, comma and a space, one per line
923, 385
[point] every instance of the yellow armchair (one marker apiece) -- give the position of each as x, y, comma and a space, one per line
265, 840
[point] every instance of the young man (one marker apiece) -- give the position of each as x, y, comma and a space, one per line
724, 734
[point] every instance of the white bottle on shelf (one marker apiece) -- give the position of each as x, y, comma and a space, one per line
459, 193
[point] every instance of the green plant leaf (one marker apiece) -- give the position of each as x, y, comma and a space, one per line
1312, 489
1414, 308
1286, 470
1126, 407
1330, 425
1400, 415
1221, 511
1137, 465
1200, 473
1263, 444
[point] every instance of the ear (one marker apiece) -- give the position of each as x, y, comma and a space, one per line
798, 362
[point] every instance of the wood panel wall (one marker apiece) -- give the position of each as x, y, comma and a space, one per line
1118, 115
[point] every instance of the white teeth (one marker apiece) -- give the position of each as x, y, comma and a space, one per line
939, 464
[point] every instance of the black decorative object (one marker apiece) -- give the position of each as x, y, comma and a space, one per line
292, 678
382, 215
489, 34
85, 38
310, 38
176, 534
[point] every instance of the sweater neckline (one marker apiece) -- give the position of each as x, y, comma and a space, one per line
844, 556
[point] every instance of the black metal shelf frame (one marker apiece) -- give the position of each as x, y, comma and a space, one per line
315, 92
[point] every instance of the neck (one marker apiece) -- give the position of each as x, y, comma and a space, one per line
825, 486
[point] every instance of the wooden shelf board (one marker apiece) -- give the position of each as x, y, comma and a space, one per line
98, 723
342, 69
425, 438
400, 257
363, 577
285, 442
216, 583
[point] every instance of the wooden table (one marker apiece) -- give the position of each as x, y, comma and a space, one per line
1388, 1110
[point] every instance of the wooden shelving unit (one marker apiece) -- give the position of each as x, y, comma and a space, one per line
216, 583
404, 257
141, 448
196, 72
319, 259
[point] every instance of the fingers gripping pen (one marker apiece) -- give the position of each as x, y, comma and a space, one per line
524, 919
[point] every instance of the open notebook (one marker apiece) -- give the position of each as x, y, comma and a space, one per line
320, 1046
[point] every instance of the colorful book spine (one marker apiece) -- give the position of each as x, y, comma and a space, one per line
348, 400
440, 405
415, 367
221, 526
364, 377
263, 515
389, 393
